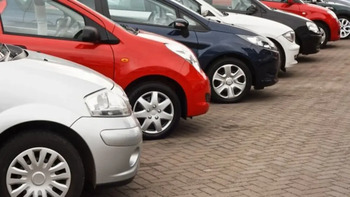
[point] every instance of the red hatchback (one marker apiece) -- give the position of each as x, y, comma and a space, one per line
161, 77
324, 18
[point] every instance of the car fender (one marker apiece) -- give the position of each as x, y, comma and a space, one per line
36, 112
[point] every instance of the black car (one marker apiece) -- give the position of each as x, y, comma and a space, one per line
307, 34
341, 10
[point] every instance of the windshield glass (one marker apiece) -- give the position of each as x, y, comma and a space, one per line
211, 8
180, 4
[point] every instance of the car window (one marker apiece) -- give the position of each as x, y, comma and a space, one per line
191, 4
142, 11
240, 5
41, 18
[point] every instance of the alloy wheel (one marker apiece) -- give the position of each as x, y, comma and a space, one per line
38, 172
229, 81
345, 27
155, 112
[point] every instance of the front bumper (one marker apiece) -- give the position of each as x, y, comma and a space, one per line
197, 89
309, 42
115, 145
291, 51
266, 67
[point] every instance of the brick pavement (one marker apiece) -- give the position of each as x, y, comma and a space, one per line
291, 139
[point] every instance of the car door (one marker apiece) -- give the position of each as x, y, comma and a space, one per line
152, 16
284, 5
50, 27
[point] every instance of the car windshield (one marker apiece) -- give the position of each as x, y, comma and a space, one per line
194, 12
211, 8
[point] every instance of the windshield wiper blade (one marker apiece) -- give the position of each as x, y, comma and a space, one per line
134, 31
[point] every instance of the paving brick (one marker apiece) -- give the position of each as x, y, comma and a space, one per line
290, 139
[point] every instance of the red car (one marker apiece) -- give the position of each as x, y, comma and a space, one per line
162, 78
324, 18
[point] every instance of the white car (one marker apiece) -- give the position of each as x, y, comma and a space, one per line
61, 124
282, 35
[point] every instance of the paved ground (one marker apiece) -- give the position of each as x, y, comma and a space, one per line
291, 139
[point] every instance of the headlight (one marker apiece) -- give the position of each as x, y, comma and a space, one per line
260, 41
333, 14
185, 53
312, 27
290, 36
107, 103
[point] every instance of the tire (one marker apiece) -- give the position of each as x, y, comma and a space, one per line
325, 33
45, 161
147, 100
345, 27
225, 87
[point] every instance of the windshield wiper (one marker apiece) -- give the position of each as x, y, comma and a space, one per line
132, 30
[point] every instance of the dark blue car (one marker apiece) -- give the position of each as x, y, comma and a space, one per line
233, 58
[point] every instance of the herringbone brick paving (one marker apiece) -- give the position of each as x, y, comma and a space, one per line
291, 139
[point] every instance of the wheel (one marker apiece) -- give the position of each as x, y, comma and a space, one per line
157, 108
38, 164
230, 80
325, 33
345, 26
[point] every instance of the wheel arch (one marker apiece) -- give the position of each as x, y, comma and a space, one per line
326, 25
168, 81
65, 132
282, 56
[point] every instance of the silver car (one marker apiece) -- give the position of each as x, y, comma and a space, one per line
61, 125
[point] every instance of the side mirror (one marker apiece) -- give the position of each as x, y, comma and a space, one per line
290, 2
90, 34
252, 9
205, 13
180, 23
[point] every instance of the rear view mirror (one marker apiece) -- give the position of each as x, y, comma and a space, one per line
205, 13
180, 23
251, 9
88, 34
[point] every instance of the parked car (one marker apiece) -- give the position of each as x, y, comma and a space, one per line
341, 10
344, 2
233, 58
161, 77
281, 35
56, 118
308, 37
325, 19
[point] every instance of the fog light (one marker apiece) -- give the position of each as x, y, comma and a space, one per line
134, 157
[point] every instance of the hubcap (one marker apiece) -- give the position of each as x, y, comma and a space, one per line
323, 33
345, 27
38, 172
229, 81
155, 112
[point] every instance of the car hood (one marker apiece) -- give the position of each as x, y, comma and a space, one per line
156, 37
256, 24
54, 65
307, 6
291, 14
